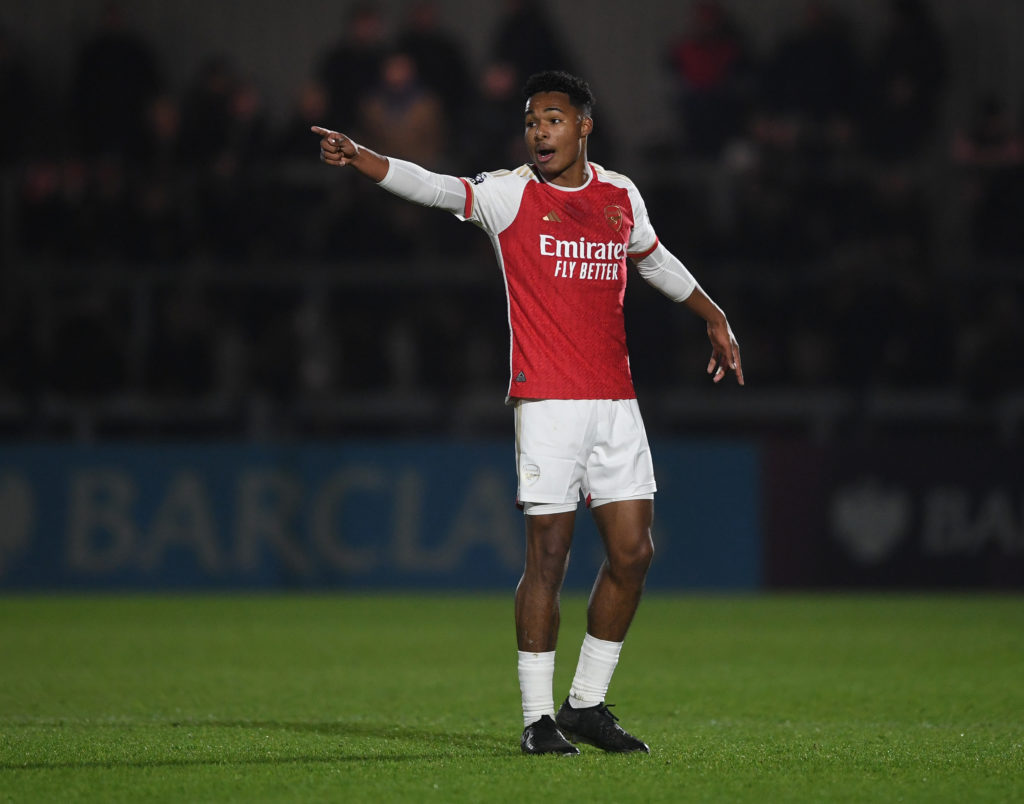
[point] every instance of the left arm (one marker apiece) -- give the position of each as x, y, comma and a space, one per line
665, 272
725, 351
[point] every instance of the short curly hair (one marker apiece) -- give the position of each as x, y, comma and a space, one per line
575, 87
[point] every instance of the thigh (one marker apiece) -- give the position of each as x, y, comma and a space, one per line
625, 526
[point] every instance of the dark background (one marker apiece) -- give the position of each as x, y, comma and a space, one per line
844, 178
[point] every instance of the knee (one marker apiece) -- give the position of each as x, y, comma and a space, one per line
632, 559
547, 553
547, 569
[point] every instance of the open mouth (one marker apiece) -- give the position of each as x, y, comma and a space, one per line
544, 154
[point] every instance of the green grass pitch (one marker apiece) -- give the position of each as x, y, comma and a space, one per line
415, 698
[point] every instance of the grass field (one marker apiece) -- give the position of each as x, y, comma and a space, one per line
404, 698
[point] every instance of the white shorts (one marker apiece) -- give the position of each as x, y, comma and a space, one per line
597, 447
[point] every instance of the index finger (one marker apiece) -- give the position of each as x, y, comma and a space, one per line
323, 132
737, 364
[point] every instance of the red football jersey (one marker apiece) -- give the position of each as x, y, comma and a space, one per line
563, 252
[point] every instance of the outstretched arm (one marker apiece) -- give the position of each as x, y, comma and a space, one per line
404, 179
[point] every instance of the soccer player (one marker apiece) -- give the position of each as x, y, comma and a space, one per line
562, 229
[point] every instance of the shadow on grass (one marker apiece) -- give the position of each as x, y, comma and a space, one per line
397, 743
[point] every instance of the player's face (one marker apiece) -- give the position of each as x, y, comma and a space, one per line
556, 133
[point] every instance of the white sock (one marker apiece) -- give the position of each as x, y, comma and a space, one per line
536, 676
594, 672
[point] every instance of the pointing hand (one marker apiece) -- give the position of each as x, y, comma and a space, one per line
335, 148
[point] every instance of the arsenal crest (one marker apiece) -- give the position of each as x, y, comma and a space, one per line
613, 214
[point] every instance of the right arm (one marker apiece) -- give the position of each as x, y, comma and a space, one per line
404, 179
338, 150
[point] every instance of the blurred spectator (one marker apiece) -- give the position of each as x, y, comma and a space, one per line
527, 40
814, 79
402, 117
206, 112
248, 131
52, 195
299, 220
907, 82
74, 209
440, 59
351, 67
237, 209
116, 76
309, 108
496, 123
225, 135
161, 198
162, 138
991, 156
796, 193
989, 139
709, 66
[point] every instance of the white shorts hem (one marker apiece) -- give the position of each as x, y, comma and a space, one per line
597, 502
539, 509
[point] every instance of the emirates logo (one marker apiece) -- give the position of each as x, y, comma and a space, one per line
613, 214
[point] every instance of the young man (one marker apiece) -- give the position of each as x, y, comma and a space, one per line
562, 229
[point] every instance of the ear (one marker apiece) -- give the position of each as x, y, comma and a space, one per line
587, 126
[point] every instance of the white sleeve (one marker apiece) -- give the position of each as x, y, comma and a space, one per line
493, 199
417, 184
643, 236
665, 272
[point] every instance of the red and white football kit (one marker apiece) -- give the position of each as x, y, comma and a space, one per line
562, 252
563, 255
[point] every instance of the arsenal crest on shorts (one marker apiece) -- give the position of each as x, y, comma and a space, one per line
613, 214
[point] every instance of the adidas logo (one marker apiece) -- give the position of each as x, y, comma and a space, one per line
520, 377
552, 216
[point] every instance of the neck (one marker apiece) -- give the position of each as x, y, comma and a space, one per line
573, 176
